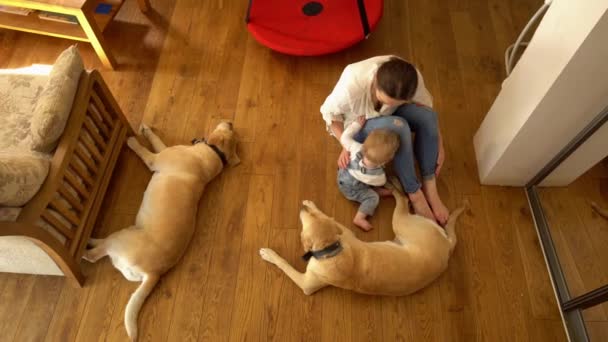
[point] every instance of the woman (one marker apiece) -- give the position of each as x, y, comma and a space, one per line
390, 92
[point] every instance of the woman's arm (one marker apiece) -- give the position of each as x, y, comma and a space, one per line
337, 128
347, 139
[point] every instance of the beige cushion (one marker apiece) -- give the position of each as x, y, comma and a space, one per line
55, 103
21, 175
19, 93
18, 254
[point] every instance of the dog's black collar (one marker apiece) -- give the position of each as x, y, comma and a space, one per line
216, 149
327, 252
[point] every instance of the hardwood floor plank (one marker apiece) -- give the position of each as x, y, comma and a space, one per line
460, 323
277, 302
96, 318
219, 67
312, 168
598, 331
215, 322
507, 257
548, 330
449, 95
39, 309
284, 212
14, 298
250, 95
66, 318
484, 292
247, 320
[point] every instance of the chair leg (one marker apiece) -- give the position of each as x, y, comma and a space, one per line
66, 262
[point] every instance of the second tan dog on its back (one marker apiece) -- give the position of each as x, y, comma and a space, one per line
417, 256
167, 217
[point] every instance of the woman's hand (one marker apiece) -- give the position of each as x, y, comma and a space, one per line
440, 159
343, 159
361, 120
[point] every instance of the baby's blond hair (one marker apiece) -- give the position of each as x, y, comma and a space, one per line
380, 146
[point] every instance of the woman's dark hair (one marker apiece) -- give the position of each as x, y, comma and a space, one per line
397, 79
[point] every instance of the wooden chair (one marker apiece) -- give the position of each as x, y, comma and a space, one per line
60, 217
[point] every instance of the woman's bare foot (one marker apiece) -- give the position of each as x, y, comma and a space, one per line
421, 207
383, 192
432, 196
361, 222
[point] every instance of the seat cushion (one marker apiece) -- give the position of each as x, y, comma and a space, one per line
22, 173
18, 96
54, 105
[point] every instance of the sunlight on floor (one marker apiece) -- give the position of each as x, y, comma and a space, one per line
34, 69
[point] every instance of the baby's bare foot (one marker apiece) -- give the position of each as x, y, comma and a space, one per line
383, 192
361, 222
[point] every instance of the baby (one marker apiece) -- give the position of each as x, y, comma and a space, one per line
365, 169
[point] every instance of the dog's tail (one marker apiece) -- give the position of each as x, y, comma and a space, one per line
450, 227
394, 185
602, 212
135, 303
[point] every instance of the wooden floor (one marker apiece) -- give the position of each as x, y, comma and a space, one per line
192, 64
580, 237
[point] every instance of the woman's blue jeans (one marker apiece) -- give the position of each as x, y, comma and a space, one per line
408, 119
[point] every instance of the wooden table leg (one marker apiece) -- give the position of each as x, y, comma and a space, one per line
88, 24
144, 5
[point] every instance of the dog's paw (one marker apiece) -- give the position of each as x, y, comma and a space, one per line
268, 254
88, 257
132, 143
309, 204
144, 129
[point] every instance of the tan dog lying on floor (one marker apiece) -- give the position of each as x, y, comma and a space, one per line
417, 256
167, 217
